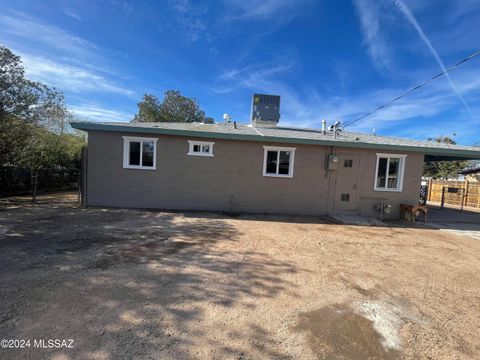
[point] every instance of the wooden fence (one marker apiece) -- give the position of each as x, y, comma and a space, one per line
469, 194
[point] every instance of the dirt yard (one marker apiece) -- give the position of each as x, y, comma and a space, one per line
149, 284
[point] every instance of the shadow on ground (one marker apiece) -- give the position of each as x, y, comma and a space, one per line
129, 283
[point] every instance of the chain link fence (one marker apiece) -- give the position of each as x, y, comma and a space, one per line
16, 180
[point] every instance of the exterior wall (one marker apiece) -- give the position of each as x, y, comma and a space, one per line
232, 180
368, 197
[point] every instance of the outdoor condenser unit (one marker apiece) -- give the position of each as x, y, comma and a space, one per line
265, 109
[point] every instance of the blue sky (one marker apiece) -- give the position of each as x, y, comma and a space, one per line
331, 60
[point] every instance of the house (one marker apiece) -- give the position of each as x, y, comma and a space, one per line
471, 174
256, 168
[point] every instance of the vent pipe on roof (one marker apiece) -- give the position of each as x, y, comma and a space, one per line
227, 119
324, 127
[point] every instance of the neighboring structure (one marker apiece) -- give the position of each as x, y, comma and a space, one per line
472, 174
257, 168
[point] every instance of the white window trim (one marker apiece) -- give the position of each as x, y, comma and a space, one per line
278, 149
126, 152
192, 143
401, 172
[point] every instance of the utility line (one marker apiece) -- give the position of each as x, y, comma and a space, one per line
415, 88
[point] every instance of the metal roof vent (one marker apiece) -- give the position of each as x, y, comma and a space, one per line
265, 110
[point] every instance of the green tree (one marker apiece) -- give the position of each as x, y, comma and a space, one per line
19, 96
174, 108
443, 169
33, 120
148, 109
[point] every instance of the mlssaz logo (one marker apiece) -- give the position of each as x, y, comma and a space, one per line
53, 343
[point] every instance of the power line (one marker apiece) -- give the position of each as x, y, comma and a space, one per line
415, 88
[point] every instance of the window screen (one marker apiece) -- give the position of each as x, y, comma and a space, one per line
382, 170
284, 162
134, 154
272, 162
147, 153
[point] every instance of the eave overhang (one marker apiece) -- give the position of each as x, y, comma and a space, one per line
431, 153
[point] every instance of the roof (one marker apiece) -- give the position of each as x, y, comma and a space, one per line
473, 170
279, 134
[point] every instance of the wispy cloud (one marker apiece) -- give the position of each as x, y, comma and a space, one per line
72, 15
308, 108
58, 58
413, 21
68, 77
262, 9
26, 27
93, 112
369, 13
252, 76
191, 18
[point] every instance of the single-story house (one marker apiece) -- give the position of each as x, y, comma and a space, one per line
471, 174
255, 168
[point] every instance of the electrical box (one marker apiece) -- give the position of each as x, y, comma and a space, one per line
332, 162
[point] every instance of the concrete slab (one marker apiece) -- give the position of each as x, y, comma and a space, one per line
463, 223
357, 220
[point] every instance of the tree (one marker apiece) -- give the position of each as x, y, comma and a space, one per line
148, 109
174, 108
28, 110
19, 96
443, 169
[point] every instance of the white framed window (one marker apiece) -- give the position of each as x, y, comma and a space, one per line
389, 172
139, 153
200, 148
278, 161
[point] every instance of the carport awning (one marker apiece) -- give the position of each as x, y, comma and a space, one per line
451, 157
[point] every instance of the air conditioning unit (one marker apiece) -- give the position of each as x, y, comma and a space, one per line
265, 110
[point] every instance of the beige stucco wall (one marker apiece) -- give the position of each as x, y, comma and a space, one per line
232, 180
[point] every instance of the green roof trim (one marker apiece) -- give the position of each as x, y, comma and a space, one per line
431, 152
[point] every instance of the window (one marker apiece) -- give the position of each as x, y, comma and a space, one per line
345, 197
200, 148
139, 153
278, 161
389, 172
348, 163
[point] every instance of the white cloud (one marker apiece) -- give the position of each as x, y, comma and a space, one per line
58, 58
308, 108
69, 77
262, 9
413, 21
92, 112
191, 18
73, 15
24, 26
369, 13
252, 76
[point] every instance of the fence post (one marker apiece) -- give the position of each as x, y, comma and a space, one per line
429, 196
465, 194
34, 186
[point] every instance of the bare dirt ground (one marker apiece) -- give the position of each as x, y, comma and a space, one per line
151, 284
